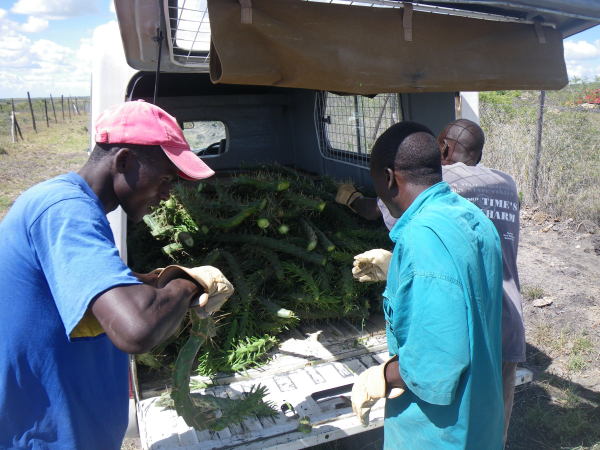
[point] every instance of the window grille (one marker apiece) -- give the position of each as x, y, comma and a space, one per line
188, 27
188, 32
348, 126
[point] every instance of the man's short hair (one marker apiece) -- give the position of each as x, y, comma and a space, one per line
144, 153
411, 149
468, 137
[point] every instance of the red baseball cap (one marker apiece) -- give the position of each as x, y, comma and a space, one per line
142, 123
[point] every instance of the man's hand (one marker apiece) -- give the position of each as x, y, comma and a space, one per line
217, 289
372, 265
370, 387
346, 194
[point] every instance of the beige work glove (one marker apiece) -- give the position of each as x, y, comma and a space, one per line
346, 194
217, 289
372, 265
369, 388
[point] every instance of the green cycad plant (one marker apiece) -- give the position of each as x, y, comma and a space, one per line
200, 411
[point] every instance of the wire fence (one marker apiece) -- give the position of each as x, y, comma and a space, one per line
567, 175
35, 114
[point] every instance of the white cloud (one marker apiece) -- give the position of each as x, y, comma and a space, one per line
111, 7
575, 70
43, 67
15, 51
34, 25
55, 9
48, 51
581, 50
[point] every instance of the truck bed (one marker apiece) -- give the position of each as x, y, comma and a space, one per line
309, 375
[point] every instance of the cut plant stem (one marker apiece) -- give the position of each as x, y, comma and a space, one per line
310, 234
275, 186
273, 244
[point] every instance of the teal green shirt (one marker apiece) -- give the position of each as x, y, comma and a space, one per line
443, 307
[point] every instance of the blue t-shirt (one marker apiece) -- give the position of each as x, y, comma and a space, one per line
443, 307
63, 384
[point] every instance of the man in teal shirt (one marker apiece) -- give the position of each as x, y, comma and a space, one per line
442, 303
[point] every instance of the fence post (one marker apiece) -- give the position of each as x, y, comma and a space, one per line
46, 108
62, 105
538, 142
69, 106
18, 128
32, 116
53, 110
77, 107
12, 126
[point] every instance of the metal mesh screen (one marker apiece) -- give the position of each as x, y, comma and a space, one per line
188, 32
348, 126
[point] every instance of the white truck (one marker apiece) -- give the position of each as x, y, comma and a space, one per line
294, 118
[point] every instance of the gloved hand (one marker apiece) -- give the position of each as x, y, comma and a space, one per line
372, 265
217, 289
346, 194
370, 387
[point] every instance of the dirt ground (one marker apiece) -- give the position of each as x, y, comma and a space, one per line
559, 262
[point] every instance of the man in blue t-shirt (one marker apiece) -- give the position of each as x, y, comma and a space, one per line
70, 309
442, 303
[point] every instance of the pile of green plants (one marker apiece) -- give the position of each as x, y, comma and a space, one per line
284, 244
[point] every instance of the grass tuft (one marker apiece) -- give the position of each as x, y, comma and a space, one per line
532, 292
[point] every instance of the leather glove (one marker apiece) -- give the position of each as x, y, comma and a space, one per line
370, 387
372, 265
217, 289
346, 194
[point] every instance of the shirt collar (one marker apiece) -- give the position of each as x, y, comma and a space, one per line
441, 188
77, 179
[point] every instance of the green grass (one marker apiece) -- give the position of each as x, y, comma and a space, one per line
567, 419
40, 156
532, 292
576, 363
582, 344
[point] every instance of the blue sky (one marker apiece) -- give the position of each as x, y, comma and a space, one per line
582, 54
46, 46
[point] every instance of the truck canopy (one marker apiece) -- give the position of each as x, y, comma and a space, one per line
359, 47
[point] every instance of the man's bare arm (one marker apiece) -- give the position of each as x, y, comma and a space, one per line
136, 318
366, 207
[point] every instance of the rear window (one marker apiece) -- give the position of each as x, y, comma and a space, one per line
206, 138
349, 125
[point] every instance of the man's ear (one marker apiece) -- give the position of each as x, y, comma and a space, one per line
445, 149
123, 160
390, 178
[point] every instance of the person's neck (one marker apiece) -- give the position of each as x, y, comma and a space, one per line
468, 162
409, 195
100, 181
